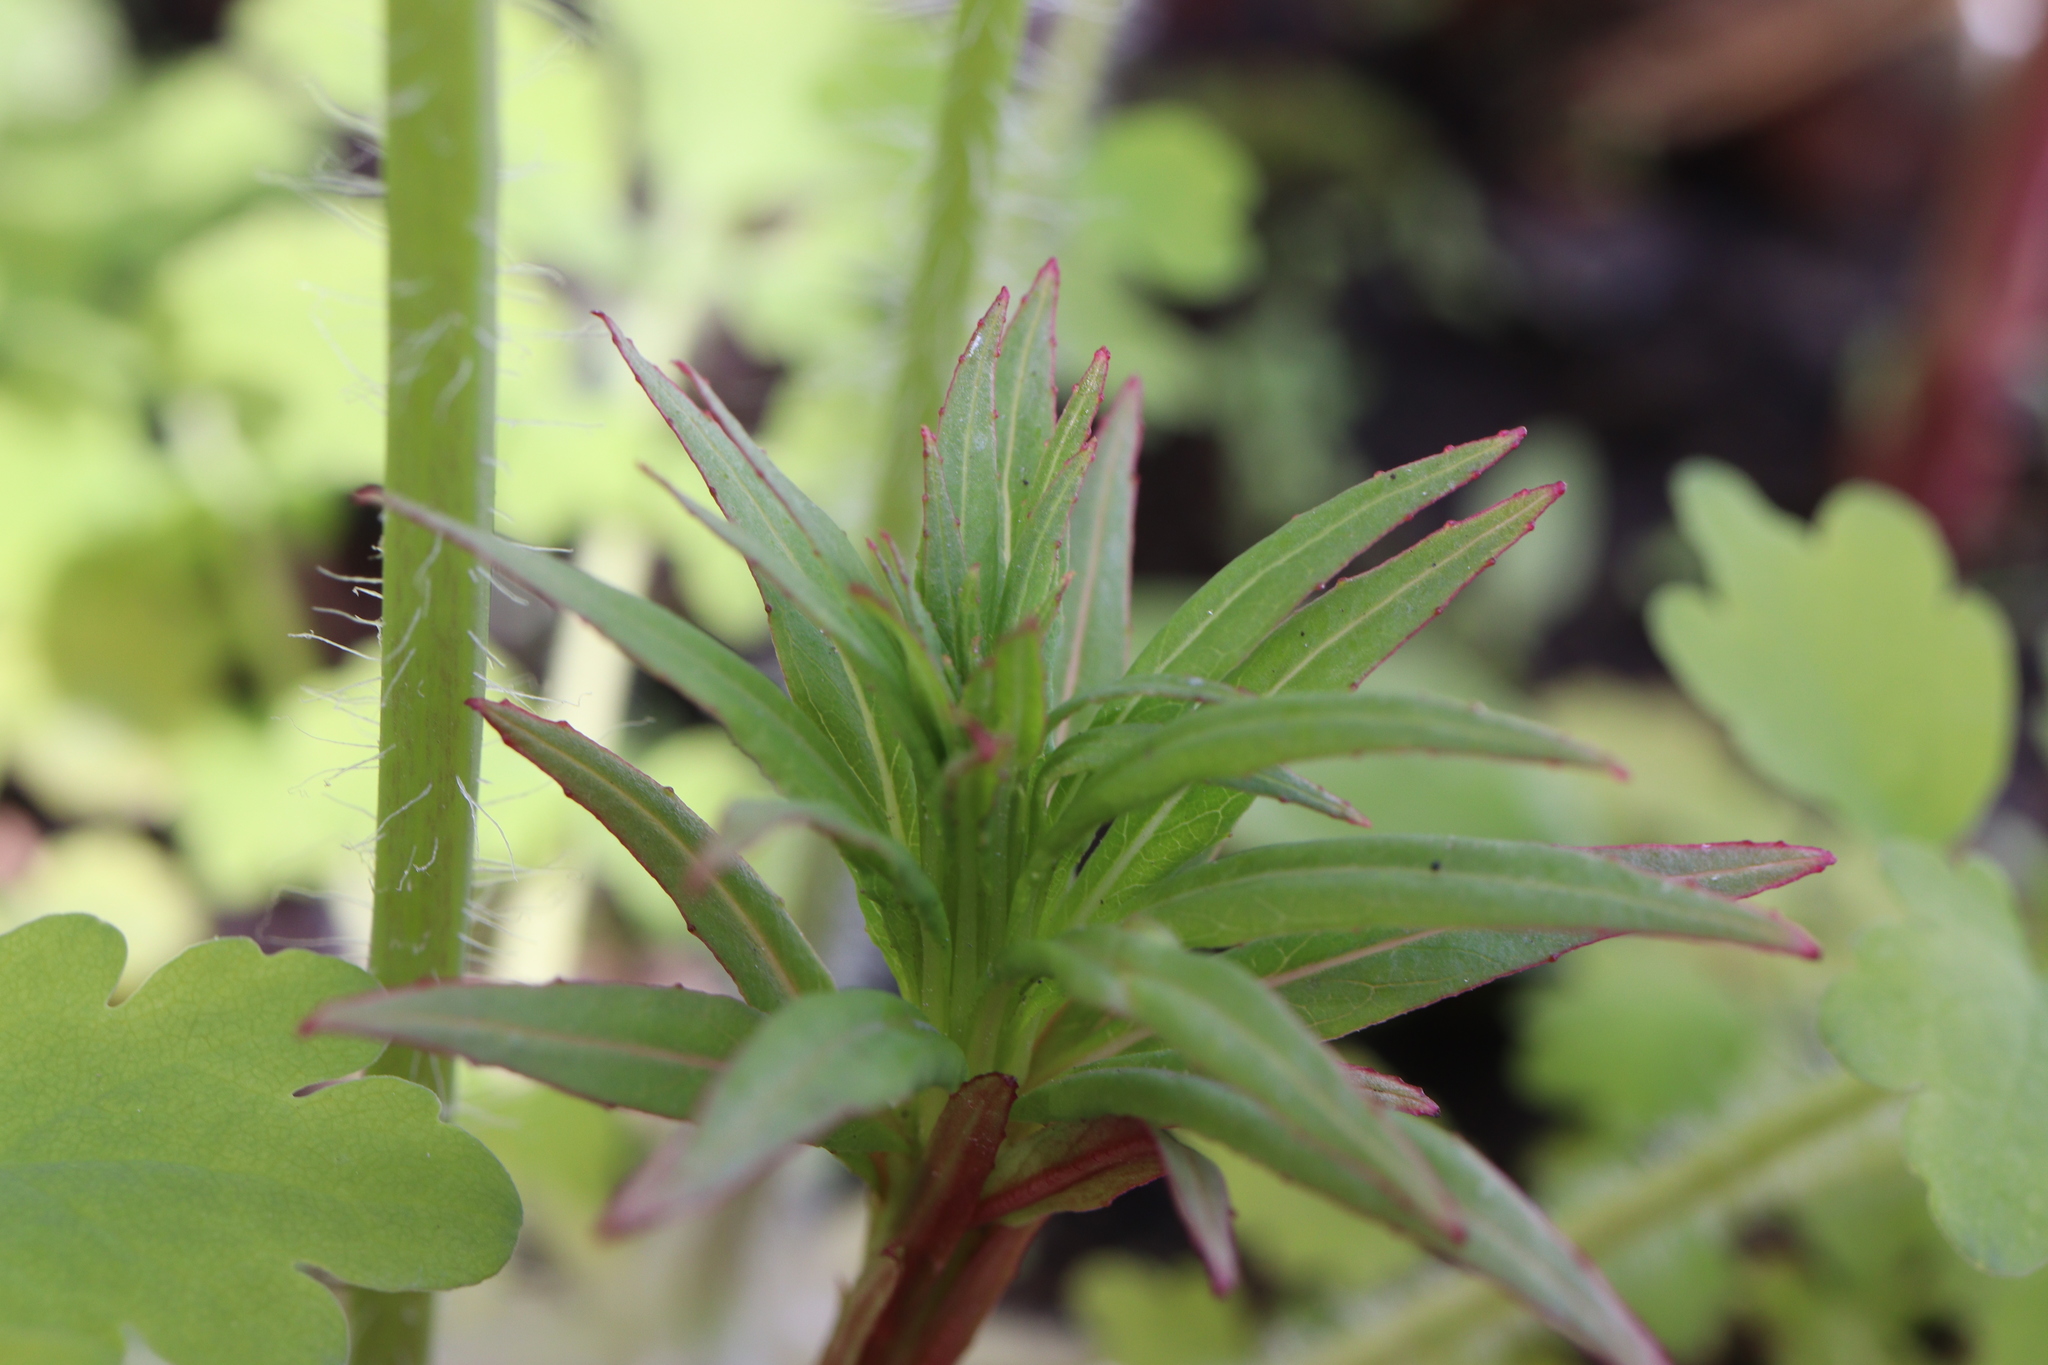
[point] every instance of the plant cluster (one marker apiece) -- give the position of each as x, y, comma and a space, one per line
1027, 816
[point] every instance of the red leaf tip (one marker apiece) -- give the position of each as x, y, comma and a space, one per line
369, 495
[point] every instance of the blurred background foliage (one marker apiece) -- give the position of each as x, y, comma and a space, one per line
1808, 237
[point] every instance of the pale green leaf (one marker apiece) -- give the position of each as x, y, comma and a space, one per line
651, 1048
1032, 586
1947, 1004
1846, 662
1026, 400
958, 564
157, 1171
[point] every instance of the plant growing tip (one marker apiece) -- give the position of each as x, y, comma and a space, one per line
1027, 815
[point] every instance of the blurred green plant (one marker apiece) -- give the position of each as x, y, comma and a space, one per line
1025, 814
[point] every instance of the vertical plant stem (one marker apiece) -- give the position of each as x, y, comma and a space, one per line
440, 166
987, 36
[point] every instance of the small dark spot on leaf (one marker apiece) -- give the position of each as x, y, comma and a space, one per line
1435, 866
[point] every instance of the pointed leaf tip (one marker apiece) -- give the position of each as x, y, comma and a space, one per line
369, 495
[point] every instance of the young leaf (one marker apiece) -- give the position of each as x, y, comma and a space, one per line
1201, 1197
1026, 398
1068, 1168
1420, 882
1229, 1026
1350, 630
1033, 576
1948, 1004
816, 1061
1214, 630
157, 1171
650, 1048
1504, 1235
1847, 663
958, 564
1090, 643
739, 919
1240, 738
789, 746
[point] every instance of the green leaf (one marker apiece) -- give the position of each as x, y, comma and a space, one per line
1239, 738
1846, 662
1092, 629
651, 1048
1503, 1234
156, 1170
1215, 630
817, 1061
1339, 983
789, 746
1421, 882
958, 564
1032, 586
1342, 981
749, 820
1948, 1004
1026, 400
739, 919
1350, 630
1228, 1026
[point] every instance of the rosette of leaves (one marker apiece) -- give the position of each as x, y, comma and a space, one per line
1027, 815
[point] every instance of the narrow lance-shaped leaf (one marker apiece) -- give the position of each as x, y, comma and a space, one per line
1033, 576
1418, 882
1342, 981
650, 1048
1025, 401
1230, 1027
789, 746
1241, 738
1091, 632
739, 919
1350, 630
1214, 630
1330, 643
962, 512
815, 1062
1504, 1235
807, 547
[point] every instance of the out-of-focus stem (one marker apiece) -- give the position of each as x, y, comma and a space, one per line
987, 37
440, 169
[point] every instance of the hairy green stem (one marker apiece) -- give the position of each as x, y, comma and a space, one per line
1827, 1131
440, 168
987, 37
